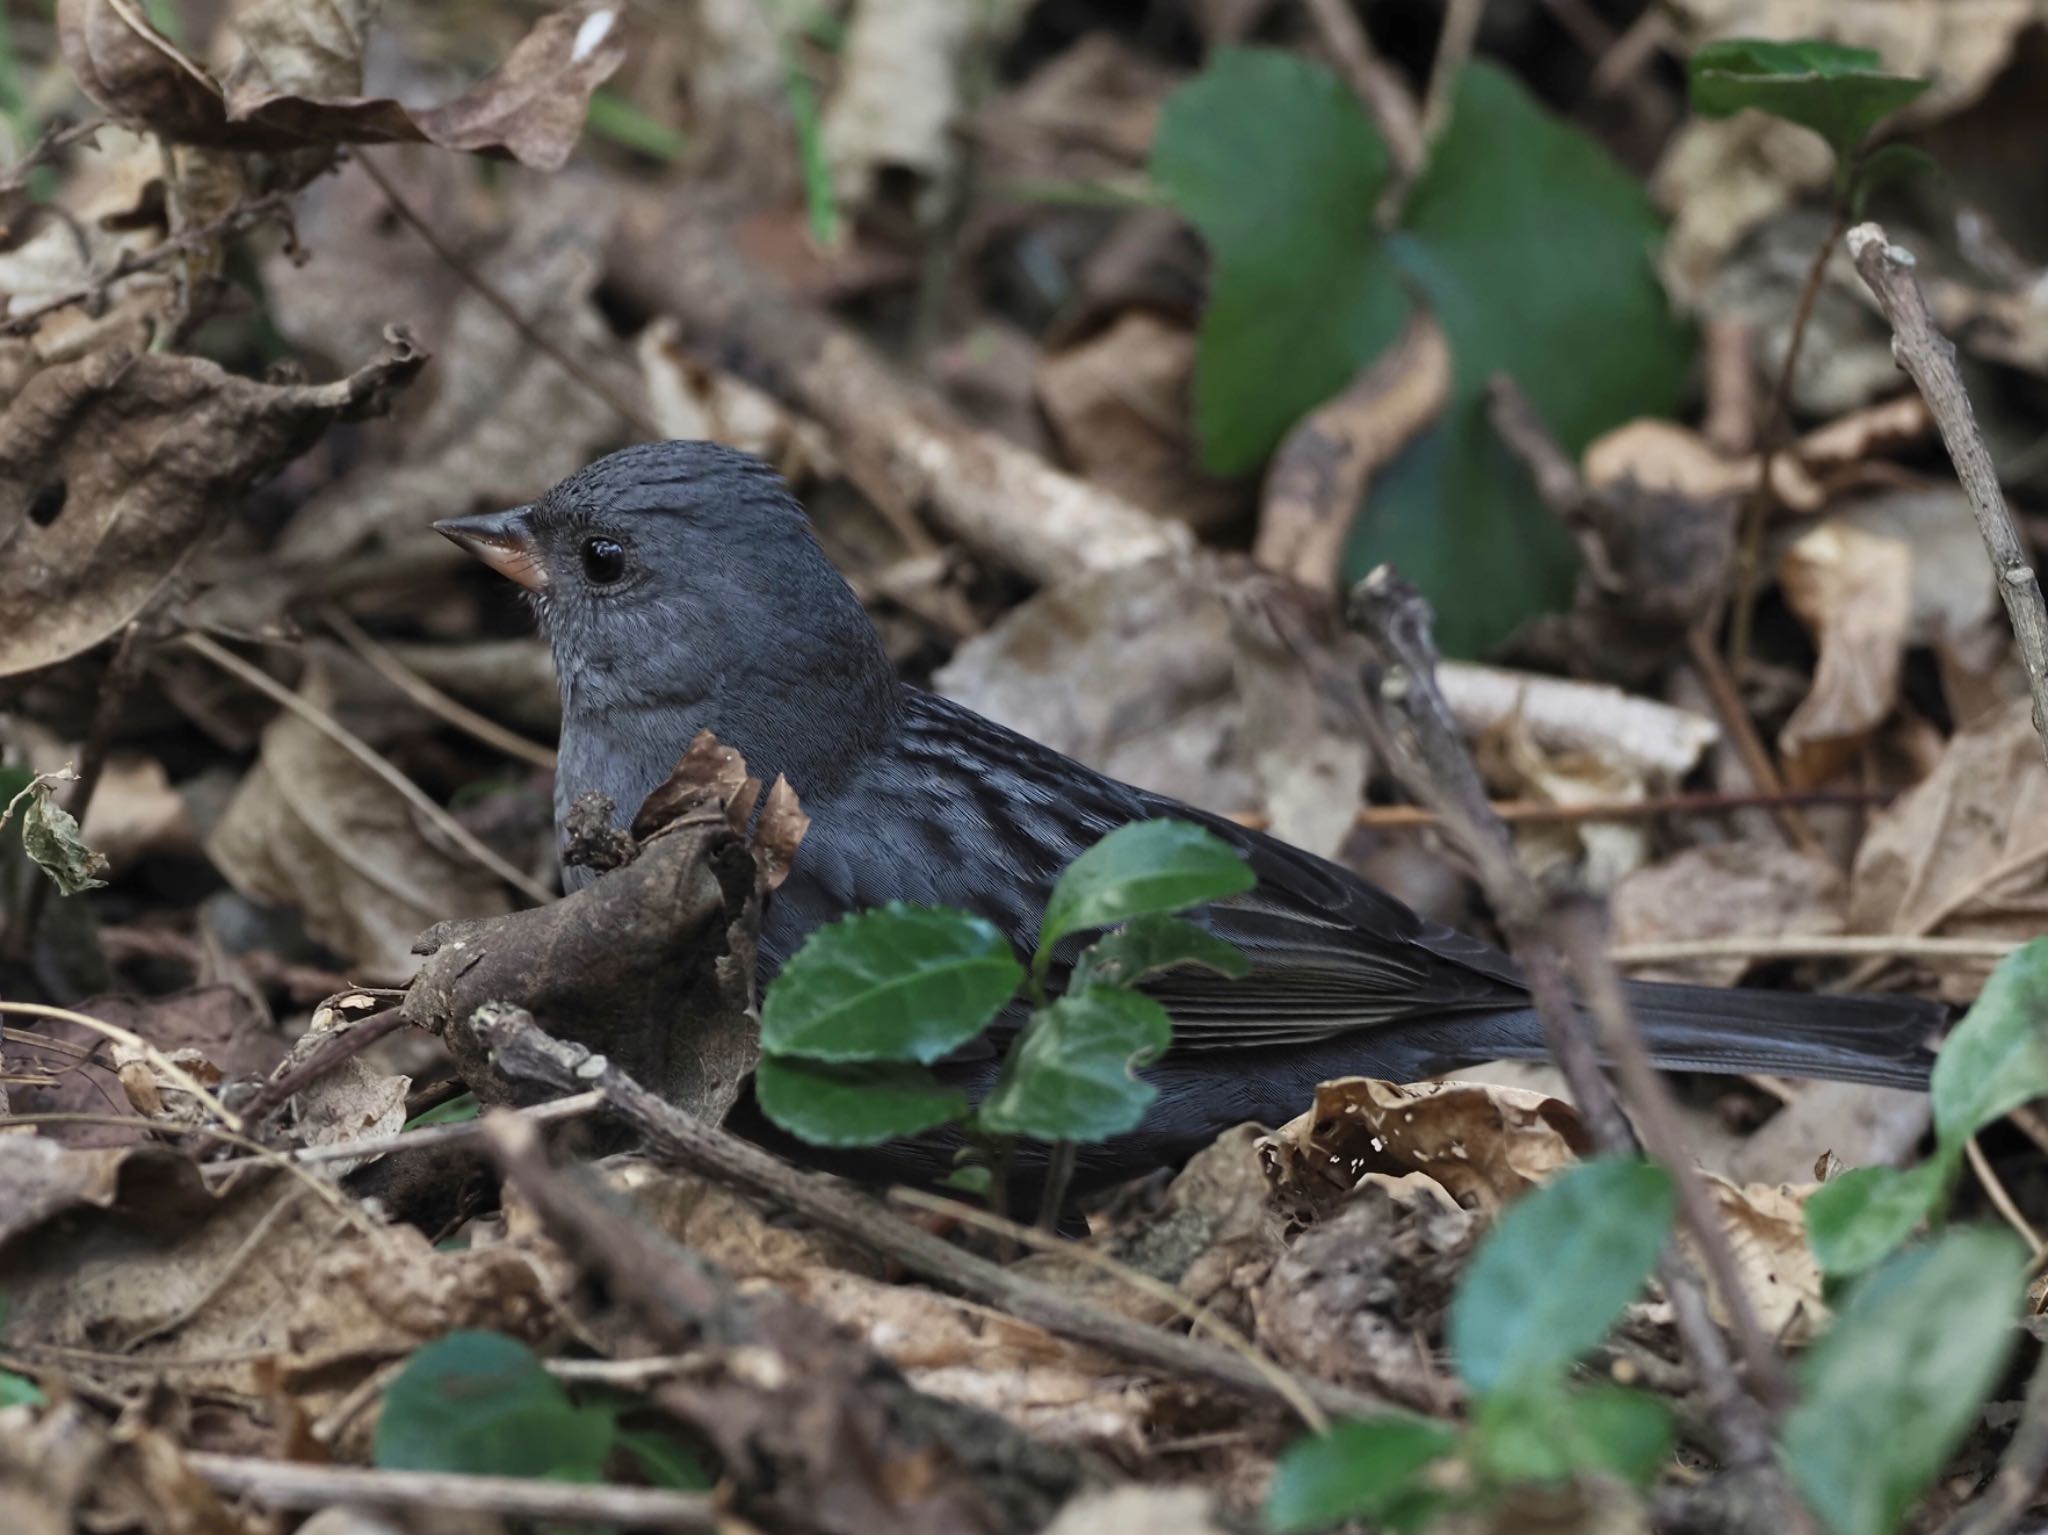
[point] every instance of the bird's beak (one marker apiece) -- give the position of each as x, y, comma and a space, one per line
502, 540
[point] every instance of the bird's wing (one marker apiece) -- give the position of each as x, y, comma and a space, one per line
1330, 953
963, 812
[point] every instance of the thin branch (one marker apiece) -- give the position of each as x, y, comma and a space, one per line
1198, 1316
92, 293
486, 290
1756, 507
1810, 946
158, 1061
343, 1045
54, 141
432, 699
522, 1052
1930, 361
426, 1137
293, 1485
1382, 92
1734, 718
375, 761
1411, 730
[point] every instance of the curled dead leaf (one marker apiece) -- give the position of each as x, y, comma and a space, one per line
1484, 1144
530, 109
1854, 592
115, 468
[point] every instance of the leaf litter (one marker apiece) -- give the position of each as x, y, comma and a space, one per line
1072, 380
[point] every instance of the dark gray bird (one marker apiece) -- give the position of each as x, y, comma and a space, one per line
682, 590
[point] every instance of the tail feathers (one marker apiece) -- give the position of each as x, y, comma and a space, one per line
1884, 1041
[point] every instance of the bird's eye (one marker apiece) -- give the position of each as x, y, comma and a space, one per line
603, 560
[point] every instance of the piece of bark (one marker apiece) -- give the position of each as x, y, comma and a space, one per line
999, 499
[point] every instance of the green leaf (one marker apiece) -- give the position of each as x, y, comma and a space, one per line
1997, 1058
1270, 157
972, 1179
458, 1110
1550, 1433
1883, 166
1358, 1470
1147, 945
1069, 1077
19, 1391
613, 117
482, 1403
1890, 1389
857, 1105
1840, 93
902, 983
1856, 1219
49, 834
1144, 869
1556, 1271
1526, 238
664, 1460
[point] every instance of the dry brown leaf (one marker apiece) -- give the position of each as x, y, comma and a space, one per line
1854, 592
1962, 853
1727, 890
1320, 471
40, 1179
115, 468
688, 398
1360, 1294
1859, 1125
1565, 715
1599, 853
1190, 695
1766, 1227
1664, 458
1118, 406
531, 109
1089, 113
351, 1101
314, 829
1484, 1144
504, 419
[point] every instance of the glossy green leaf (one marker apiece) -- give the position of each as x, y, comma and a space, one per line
1840, 93
665, 1461
1858, 1218
1891, 1389
1143, 869
1997, 1057
1525, 237
901, 983
1556, 1271
1069, 1077
482, 1403
1358, 1470
459, 1110
614, 117
863, 1104
1149, 945
1553, 1432
1270, 157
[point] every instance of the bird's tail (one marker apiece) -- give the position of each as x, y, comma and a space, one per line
1880, 1040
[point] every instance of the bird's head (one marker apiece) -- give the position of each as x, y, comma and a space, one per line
682, 576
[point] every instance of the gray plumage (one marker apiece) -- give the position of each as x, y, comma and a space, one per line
726, 615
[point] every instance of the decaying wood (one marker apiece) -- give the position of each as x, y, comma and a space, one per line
999, 499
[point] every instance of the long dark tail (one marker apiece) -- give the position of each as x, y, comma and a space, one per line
1881, 1040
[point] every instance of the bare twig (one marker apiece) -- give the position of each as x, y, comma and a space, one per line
375, 761
1453, 48
432, 699
293, 1485
2001, 1199
54, 141
344, 1045
522, 1052
1734, 718
486, 290
92, 293
1379, 89
1536, 812
426, 1137
1811, 946
1930, 361
1756, 509
158, 1061
2021, 1469
1411, 731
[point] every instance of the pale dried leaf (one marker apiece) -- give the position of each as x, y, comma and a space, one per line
1566, 715
314, 829
1766, 1228
530, 109
115, 468
1484, 1144
1136, 1510
1854, 592
1750, 888
1599, 853
688, 398
1662, 457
